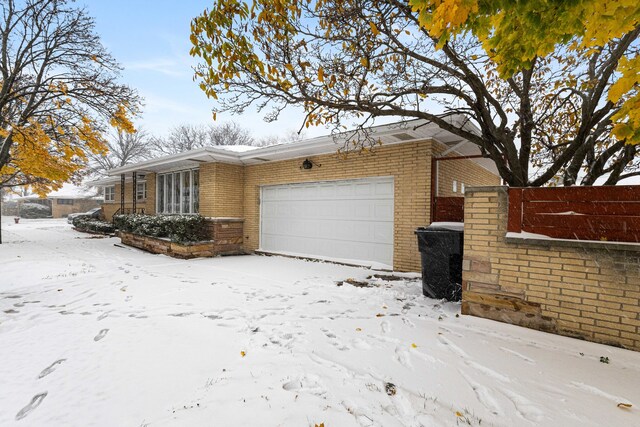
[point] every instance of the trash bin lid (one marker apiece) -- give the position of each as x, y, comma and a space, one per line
453, 226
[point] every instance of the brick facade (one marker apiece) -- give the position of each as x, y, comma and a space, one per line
409, 164
221, 190
228, 190
579, 289
149, 205
463, 172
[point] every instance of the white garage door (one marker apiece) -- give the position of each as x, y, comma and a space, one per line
349, 220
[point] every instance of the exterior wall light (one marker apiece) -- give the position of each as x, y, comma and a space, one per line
308, 164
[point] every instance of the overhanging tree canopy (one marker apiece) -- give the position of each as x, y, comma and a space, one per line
549, 84
58, 93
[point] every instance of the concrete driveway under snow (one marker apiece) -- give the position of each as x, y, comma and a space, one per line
92, 334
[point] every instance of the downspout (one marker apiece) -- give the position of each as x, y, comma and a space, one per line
134, 193
122, 193
434, 187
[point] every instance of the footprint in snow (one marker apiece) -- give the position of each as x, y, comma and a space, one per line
103, 315
524, 407
35, 402
101, 335
403, 357
484, 395
408, 322
49, 369
385, 326
306, 383
328, 333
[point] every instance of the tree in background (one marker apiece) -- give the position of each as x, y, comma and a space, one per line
187, 137
287, 137
58, 93
229, 133
123, 148
546, 89
180, 138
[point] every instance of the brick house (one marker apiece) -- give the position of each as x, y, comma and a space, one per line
306, 199
67, 200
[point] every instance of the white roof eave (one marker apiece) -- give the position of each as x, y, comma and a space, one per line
413, 130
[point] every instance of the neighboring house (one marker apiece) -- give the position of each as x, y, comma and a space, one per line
67, 200
306, 199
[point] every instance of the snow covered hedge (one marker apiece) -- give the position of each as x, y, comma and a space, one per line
93, 225
178, 228
33, 210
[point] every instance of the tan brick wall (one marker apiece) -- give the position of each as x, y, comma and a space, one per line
221, 190
408, 163
590, 291
465, 172
149, 205
78, 206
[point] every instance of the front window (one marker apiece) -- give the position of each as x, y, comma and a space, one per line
177, 192
110, 193
65, 201
141, 191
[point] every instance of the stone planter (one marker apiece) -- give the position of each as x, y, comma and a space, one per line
226, 239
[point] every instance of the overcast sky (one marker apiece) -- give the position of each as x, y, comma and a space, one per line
151, 42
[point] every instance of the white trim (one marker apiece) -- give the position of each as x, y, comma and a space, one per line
113, 194
419, 130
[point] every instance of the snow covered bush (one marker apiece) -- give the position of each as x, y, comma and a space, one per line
93, 225
178, 228
34, 210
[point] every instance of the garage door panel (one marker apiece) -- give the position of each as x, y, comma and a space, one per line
383, 210
351, 219
384, 189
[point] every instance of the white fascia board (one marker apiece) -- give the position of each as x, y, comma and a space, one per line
101, 182
206, 154
317, 146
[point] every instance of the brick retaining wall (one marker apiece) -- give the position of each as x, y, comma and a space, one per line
588, 290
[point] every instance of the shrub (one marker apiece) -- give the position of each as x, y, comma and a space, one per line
34, 210
178, 228
93, 225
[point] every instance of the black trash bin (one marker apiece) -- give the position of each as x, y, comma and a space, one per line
441, 256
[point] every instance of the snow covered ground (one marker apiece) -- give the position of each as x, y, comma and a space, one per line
96, 334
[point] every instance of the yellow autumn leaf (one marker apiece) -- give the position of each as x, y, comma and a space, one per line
624, 405
243, 353
358, 329
288, 67
458, 414
374, 29
364, 62
622, 131
414, 345
321, 74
